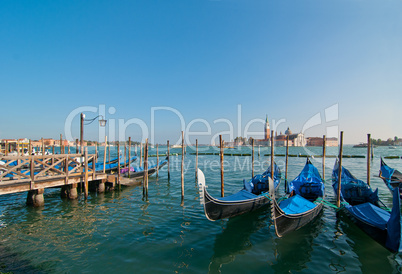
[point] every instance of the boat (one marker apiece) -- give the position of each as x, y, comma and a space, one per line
302, 204
252, 196
363, 206
391, 177
138, 172
113, 167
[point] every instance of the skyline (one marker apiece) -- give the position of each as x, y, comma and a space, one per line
203, 59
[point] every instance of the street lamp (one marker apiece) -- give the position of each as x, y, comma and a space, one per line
102, 123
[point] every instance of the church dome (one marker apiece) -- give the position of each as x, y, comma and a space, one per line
288, 132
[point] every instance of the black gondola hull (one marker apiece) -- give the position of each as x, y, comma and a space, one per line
216, 209
285, 223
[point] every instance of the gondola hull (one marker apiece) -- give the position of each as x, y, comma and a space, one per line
140, 174
297, 209
285, 223
216, 209
230, 206
380, 224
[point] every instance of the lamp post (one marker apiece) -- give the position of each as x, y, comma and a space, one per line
102, 123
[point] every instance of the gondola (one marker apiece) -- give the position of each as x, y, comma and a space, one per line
302, 203
391, 177
363, 206
252, 196
110, 168
99, 165
138, 172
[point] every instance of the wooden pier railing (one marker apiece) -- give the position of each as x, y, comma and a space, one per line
25, 173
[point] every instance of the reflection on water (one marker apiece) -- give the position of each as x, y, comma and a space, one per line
235, 237
369, 253
294, 250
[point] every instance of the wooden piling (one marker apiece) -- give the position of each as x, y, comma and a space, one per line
222, 166
86, 173
82, 133
76, 146
145, 178
61, 144
129, 156
108, 151
141, 154
272, 155
286, 163
104, 155
157, 161
368, 157
94, 160
125, 154
43, 146
118, 164
30, 147
168, 158
324, 140
338, 196
252, 157
196, 160
182, 166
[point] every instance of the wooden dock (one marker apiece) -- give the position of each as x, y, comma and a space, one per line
35, 173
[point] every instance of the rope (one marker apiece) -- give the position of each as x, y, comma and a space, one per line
266, 195
322, 201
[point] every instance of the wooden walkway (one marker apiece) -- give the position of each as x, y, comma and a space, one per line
28, 173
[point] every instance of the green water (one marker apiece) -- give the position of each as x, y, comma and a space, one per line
123, 232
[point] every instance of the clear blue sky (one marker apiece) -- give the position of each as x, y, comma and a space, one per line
288, 59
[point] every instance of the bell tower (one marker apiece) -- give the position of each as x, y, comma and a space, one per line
267, 131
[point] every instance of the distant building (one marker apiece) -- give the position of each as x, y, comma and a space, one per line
267, 135
318, 141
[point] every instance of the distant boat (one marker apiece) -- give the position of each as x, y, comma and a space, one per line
392, 147
363, 206
361, 145
252, 196
175, 146
302, 204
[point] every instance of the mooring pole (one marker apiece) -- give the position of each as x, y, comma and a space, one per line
324, 140
272, 155
338, 197
141, 154
222, 167
368, 157
286, 163
118, 165
104, 155
157, 161
86, 173
196, 160
182, 166
168, 156
82, 132
145, 178
252, 157
129, 156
